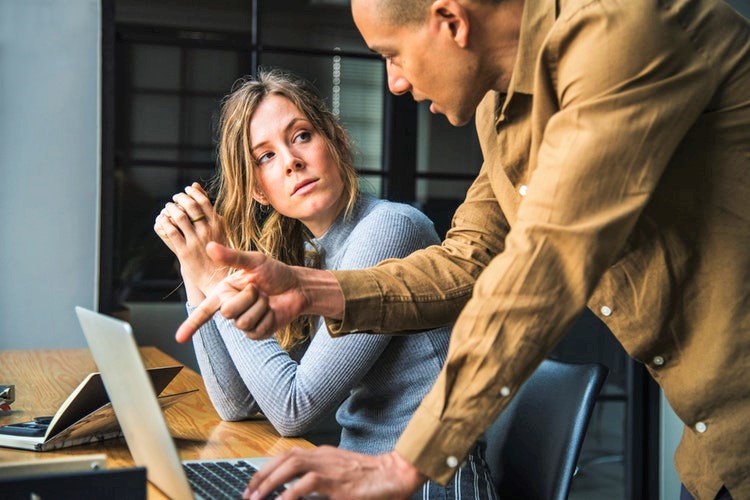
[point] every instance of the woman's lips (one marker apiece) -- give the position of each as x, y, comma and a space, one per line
304, 186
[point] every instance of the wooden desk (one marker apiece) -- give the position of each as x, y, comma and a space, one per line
45, 378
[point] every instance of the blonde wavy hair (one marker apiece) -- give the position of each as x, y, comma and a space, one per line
250, 225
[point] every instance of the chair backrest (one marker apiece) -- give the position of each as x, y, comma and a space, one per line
533, 446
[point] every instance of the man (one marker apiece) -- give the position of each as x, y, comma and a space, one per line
616, 139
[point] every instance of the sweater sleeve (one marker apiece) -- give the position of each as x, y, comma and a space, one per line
242, 373
224, 385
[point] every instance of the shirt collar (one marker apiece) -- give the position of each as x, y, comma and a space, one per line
536, 22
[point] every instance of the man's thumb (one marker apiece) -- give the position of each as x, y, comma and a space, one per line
234, 258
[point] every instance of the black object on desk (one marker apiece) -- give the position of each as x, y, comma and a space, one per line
36, 428
112, 484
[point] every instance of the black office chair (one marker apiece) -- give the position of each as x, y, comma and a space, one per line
533, 446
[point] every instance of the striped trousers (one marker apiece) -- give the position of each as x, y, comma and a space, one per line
471, 481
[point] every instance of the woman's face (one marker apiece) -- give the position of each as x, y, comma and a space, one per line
295, 172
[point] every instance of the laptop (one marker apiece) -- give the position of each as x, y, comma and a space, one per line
116, 354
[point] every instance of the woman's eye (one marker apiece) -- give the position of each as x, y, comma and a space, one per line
303, 136
264, 158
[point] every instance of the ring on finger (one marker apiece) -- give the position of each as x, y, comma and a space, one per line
196, 219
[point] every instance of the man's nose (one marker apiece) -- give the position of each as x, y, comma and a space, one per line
397, 83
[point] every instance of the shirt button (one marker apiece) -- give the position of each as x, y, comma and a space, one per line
451, 461
523, 189
658, 360
701, 427
606, 311
505, 391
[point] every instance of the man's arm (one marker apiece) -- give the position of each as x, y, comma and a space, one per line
431, 286
265, 295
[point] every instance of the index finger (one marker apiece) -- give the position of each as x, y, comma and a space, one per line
196, 185
278, 471
196, 192
200, 315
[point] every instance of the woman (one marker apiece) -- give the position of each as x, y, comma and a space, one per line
280, 144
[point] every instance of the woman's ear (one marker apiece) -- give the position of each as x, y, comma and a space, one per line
450, 17
260, 197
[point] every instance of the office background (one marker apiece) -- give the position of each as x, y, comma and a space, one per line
56, 206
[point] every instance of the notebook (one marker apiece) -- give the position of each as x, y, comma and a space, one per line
85, 417
114, 349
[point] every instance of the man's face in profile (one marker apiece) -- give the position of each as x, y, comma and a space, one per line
423, 59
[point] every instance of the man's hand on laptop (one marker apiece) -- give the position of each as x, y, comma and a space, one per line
263, 295
336, 473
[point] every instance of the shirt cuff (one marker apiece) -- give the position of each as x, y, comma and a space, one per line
437, 448
363, 305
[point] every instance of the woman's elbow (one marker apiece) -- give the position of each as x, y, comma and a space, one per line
230, 414
236, 412
292, 428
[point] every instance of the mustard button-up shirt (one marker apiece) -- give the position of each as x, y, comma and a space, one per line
615, 176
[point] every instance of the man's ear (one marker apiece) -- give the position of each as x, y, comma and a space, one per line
451, 16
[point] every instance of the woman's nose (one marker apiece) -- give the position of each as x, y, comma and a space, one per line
294, 164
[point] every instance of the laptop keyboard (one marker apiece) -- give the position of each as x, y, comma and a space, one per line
220, 480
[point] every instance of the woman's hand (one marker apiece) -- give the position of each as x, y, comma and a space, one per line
186, 225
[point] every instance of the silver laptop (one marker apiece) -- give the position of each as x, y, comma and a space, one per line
129, 388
